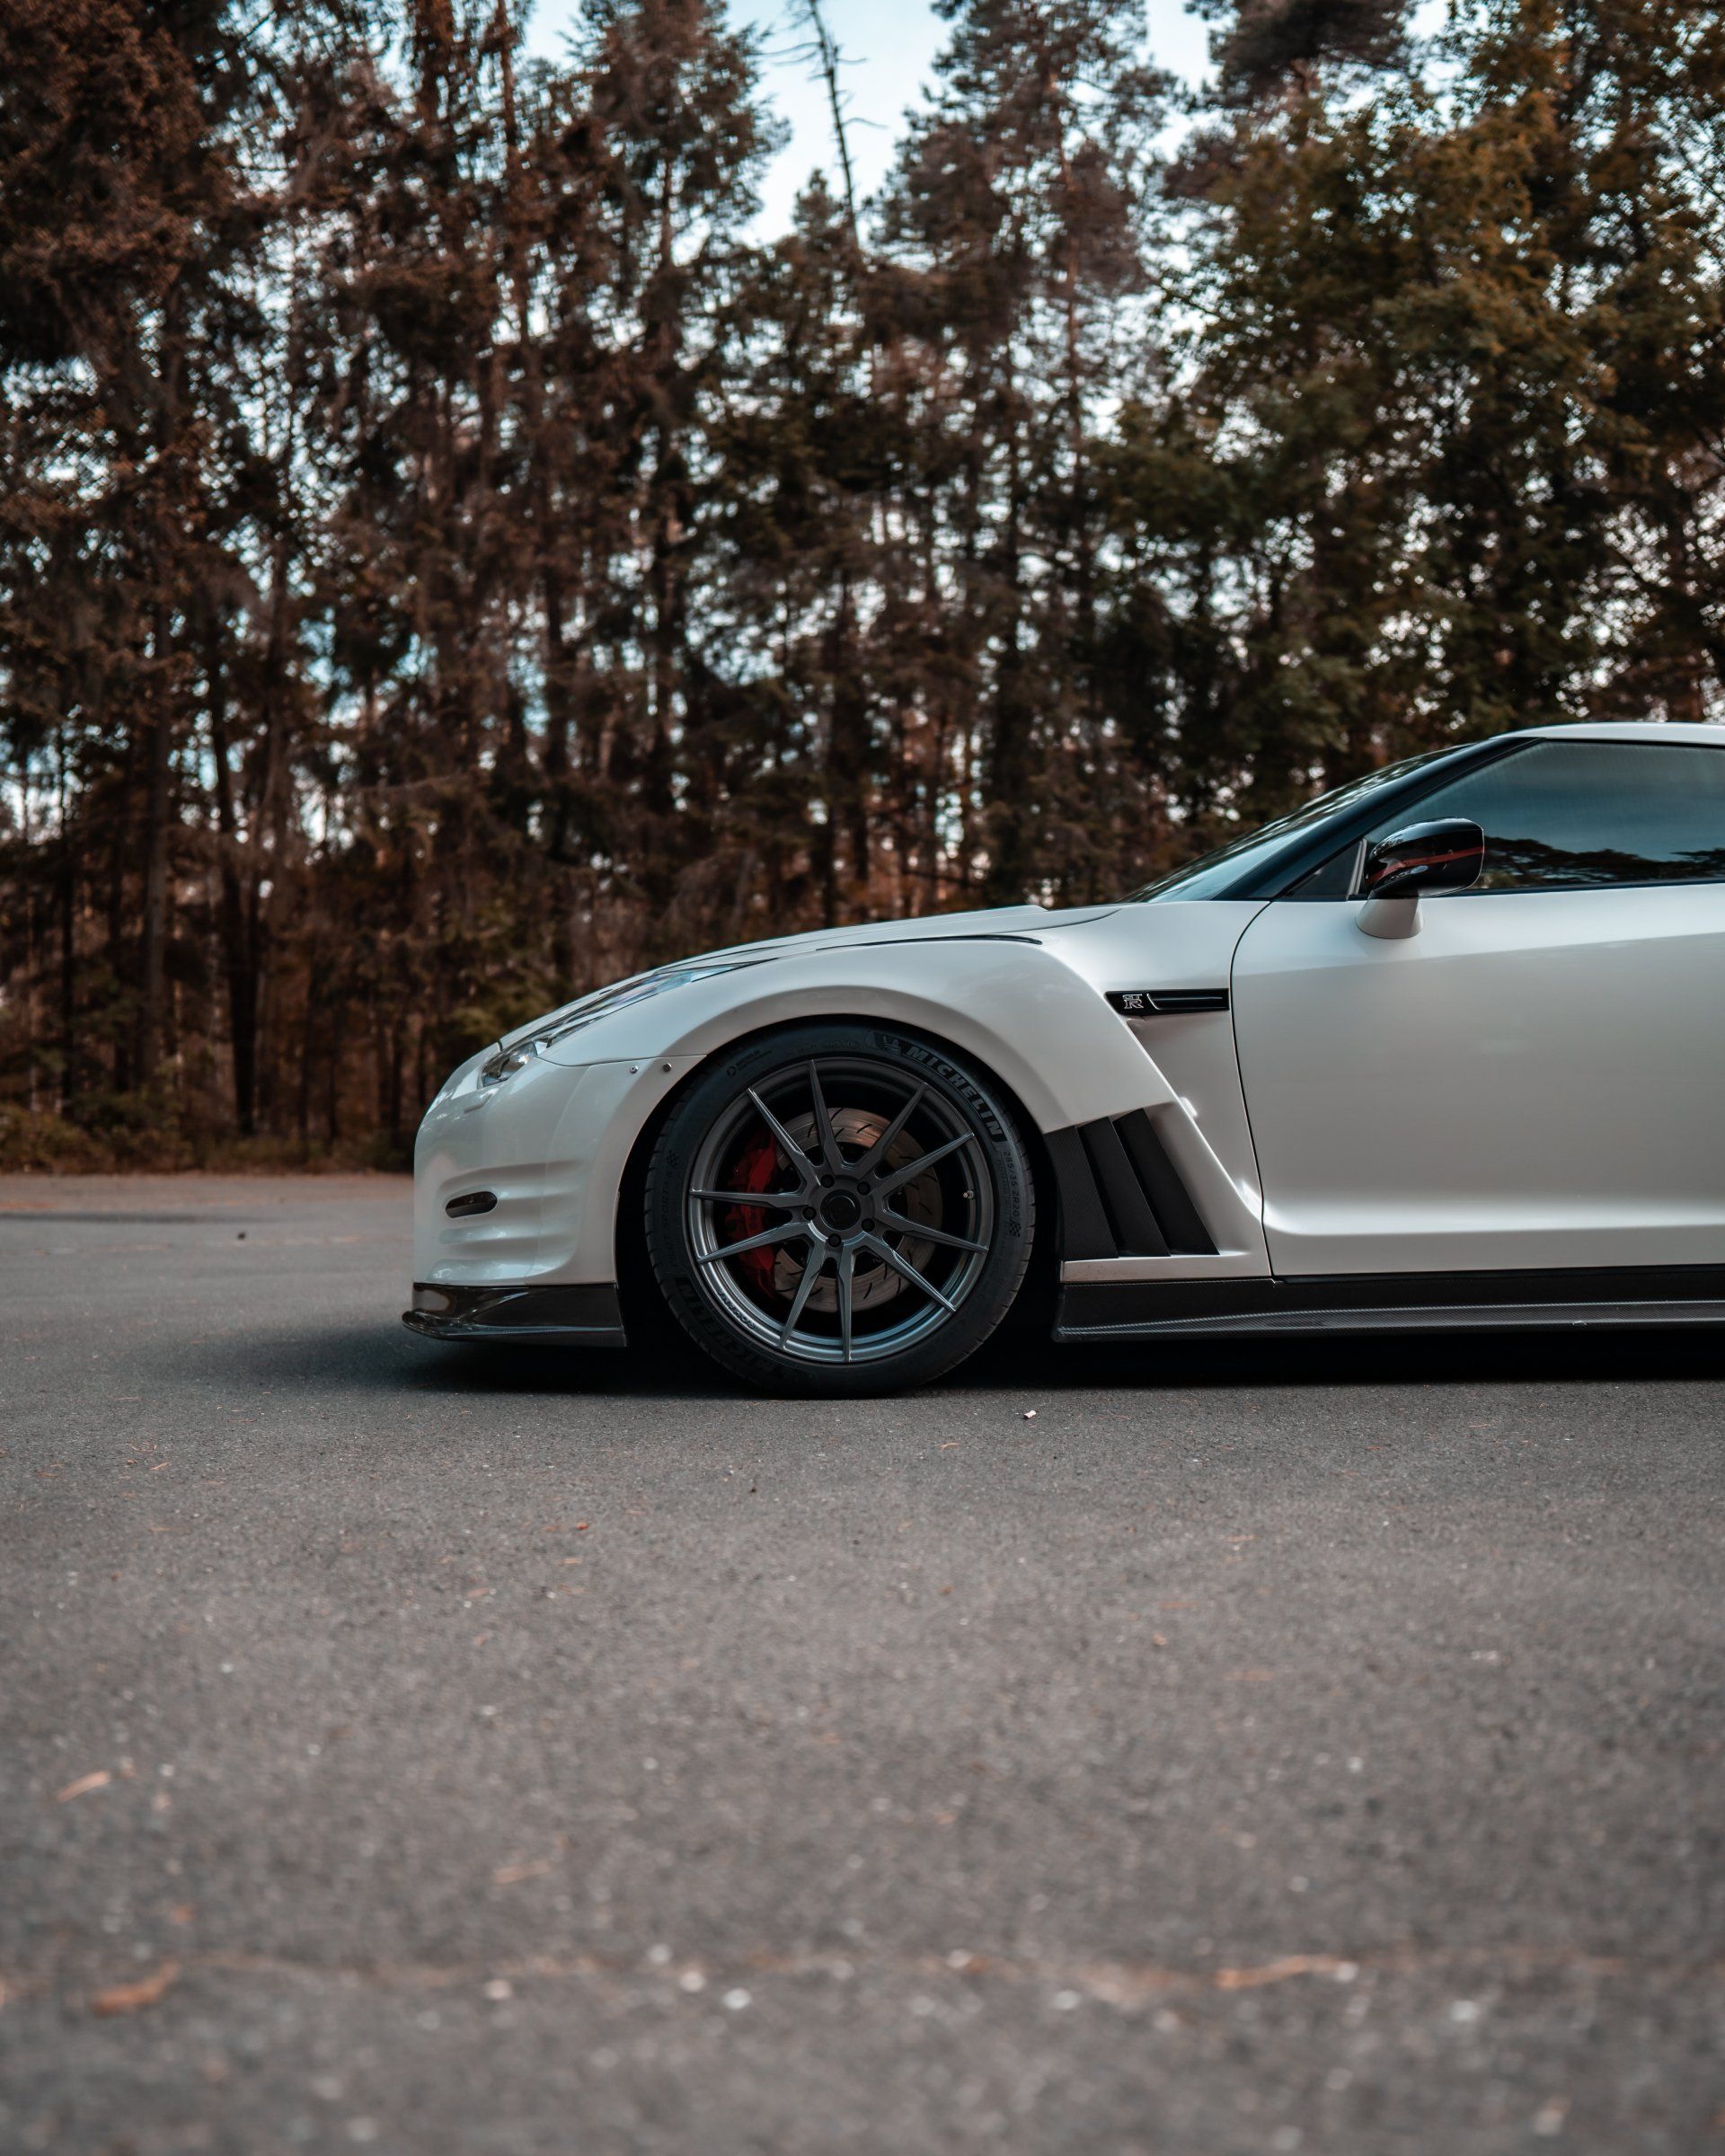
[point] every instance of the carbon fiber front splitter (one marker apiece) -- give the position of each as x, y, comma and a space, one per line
587, 1315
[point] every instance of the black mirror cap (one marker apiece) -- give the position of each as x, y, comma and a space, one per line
1446, 855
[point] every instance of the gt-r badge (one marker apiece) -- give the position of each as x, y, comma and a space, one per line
1166, 1003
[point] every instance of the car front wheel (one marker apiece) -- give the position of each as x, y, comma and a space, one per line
839, 1209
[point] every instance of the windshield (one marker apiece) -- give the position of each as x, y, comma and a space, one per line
1214, 874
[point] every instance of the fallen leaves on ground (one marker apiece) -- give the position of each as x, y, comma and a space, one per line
510, 1875
1276, 1971
84, 1785
132, 1998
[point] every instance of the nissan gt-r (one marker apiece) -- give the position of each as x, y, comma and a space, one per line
1446, 1048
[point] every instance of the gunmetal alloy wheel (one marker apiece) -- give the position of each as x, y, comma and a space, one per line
839, 1209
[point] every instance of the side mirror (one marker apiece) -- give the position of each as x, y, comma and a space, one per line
1446, 855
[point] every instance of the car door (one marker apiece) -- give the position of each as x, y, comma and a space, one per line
1536, 1077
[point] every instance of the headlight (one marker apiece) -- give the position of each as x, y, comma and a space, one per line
508, 1061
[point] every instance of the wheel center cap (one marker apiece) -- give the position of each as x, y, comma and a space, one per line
840, 1211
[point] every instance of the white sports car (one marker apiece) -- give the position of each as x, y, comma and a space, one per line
1446, 1047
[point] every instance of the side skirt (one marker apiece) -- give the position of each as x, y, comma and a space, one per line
588, 1316
1391, 1303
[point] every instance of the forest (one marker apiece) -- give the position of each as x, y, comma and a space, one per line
452, 556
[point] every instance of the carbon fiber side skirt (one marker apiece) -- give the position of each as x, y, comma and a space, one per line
1393, 1303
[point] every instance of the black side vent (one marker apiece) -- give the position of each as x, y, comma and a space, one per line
471, 1202
1121, 1195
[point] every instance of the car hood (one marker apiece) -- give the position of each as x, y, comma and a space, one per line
989, 921
1027, 922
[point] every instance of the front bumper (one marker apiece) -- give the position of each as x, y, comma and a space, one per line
587, 1315
549, 1148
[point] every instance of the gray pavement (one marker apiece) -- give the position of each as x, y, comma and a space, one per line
432, 1750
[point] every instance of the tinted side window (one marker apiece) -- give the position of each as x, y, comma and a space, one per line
1566, 816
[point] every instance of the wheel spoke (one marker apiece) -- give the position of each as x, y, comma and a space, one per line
801, 1166
751, 1242
900, 1176
846, 1269
897, 1222
903, 1266
811, 1272
878, 1151
778, 1201
829, 1143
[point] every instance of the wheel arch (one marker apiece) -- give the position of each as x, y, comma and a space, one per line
641, 1303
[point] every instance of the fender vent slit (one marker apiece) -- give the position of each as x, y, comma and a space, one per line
1121, 1195
1169, 1197
1130, 1213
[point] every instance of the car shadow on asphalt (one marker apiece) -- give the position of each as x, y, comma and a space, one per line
372, 1360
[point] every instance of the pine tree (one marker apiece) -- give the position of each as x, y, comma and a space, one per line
127, 234
1422, 474
1016, 207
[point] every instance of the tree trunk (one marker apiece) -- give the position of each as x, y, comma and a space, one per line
239, 948
158, 752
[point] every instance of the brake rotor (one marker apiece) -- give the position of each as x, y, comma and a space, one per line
874, 1283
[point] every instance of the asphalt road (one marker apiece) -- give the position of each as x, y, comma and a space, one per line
437, 1750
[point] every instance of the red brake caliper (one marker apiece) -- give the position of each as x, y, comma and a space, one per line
754, 1171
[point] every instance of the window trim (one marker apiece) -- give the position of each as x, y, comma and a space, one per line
1276, 878
1289, 872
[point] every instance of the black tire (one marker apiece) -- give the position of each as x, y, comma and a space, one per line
872, 1261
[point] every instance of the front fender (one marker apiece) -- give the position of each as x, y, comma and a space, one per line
1007, 1002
